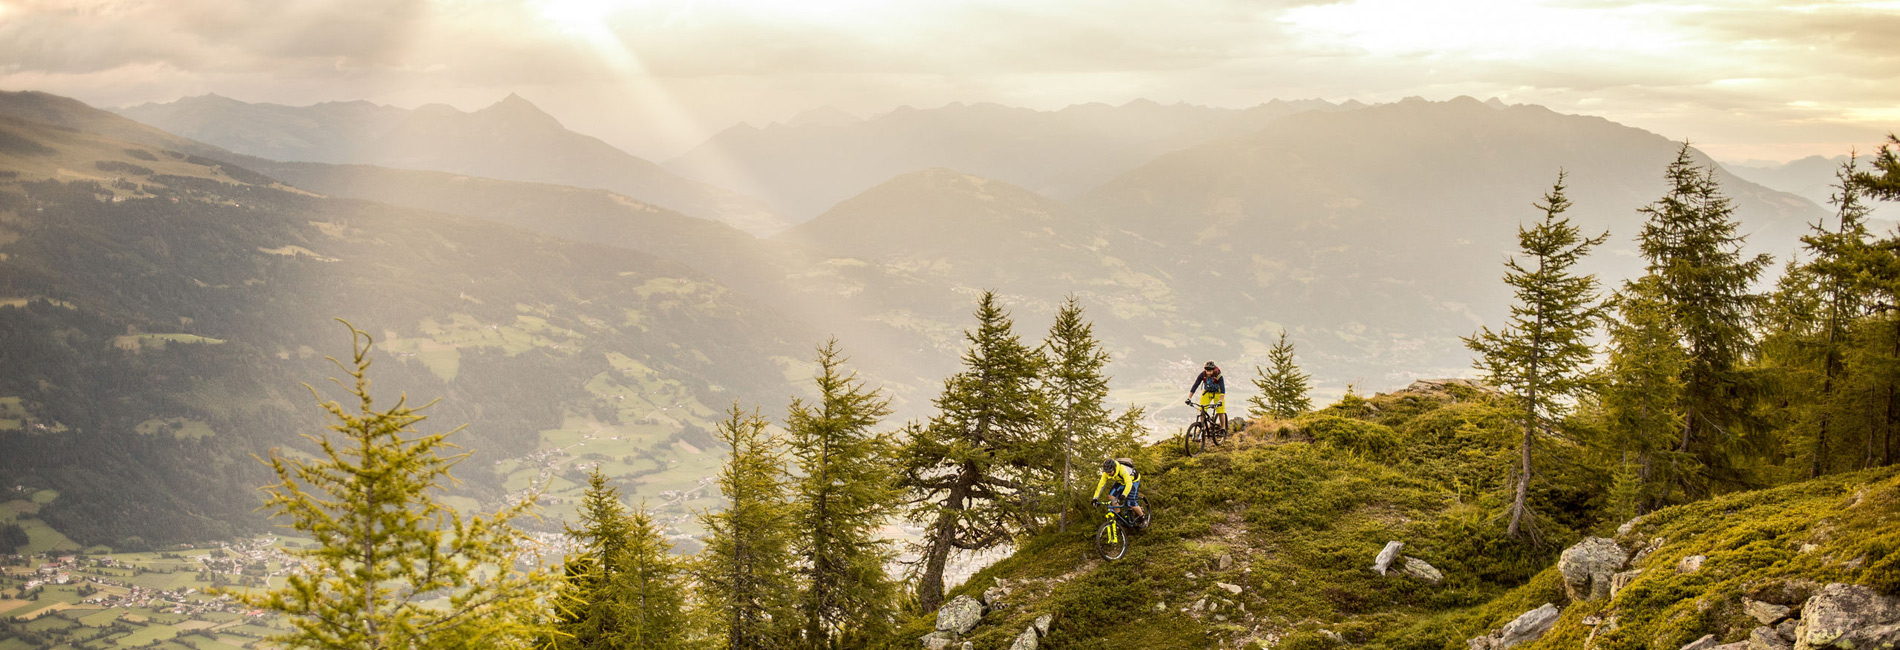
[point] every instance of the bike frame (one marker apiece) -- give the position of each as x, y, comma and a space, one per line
1118, 516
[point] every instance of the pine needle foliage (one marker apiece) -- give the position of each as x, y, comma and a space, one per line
1883, 182
1282, 387
1077, 390
977, 473
386, 545
745, 573
1690, 242
624, 589
847, 491
1640, 397
1541, 356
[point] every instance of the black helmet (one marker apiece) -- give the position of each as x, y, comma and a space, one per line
1210, 366
1108, 467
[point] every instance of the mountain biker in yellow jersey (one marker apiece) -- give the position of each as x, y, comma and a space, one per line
1213, 392
1127, 484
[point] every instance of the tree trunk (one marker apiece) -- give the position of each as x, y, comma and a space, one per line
1520, 502
1068, 452
937, 553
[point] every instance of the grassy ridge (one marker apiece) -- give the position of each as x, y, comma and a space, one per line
1294, 512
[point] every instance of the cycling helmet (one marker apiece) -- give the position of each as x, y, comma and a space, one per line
1210, 366
1108, 467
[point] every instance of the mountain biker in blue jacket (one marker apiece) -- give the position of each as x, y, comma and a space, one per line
1213, 392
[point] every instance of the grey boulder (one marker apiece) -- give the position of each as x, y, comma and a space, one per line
1422, 570
1849, 617
960, 615
1765, 613
1588, 566
1765, 638
1527, 627
1386, 556
1025, 641
938, 640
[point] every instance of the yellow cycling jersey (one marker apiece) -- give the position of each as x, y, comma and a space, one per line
1124, 475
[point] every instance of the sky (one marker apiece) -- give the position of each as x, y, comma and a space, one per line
1743, 80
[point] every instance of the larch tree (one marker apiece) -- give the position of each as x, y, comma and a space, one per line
624, 589
745, 573
1541, 356
976, 473
1282, 388
386, 545
1076, 387
1641, 394
846, 491
1690, 242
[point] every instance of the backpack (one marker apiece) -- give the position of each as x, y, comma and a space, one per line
1130, 464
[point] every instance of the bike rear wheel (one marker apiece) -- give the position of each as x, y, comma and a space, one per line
1194, 441
1111, 541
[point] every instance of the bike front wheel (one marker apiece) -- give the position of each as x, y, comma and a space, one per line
1111, 541
1194, 441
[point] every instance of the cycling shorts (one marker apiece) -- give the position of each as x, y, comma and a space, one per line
1133, 490
1219, 400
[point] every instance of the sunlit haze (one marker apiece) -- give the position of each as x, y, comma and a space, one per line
1744, 80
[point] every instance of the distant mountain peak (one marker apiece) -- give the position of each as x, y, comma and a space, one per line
516, 108
823, 116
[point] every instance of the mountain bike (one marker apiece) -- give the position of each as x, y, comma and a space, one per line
1111, 539
1204, 430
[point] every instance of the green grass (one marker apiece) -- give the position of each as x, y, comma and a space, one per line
147, 635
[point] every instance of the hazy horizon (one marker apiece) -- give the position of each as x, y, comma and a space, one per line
1743, 80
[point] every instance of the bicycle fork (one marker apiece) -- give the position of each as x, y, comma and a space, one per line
1114, 531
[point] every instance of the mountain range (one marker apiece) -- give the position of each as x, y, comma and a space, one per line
511, 139
573, 325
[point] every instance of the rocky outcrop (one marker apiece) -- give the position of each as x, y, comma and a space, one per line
1527, 627
1765, 613
1589, 566
1848, 617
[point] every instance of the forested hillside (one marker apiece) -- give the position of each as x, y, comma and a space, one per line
164, 310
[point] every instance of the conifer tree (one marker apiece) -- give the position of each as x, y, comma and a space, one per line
650, 588
1282, 387
385, 543
1883, 182
1540, 357
1691, 245
1077, 389
745, 573
624, 588
973, 473
846, 492
1641, 396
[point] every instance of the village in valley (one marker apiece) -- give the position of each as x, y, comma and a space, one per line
178, 598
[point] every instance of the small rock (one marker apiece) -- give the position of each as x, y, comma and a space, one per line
1386, 556
1786, 629
960, 615
1232, 589
1332, 636
1220, 617
1738, 645
1628, 526
1705, 643
1654, 544
1224, 562
1527, 627
1807, 547
1191, 576
1623, 579
1161, 607
1199, 606
1042, 622
1766, 613
968, 646
1026, 640
1588, 566
1848, 616
1418, 568
993, 596
1765, 638
938, 640
1691, 564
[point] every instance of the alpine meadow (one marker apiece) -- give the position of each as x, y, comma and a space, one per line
1042, 325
